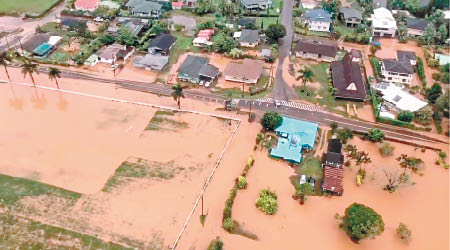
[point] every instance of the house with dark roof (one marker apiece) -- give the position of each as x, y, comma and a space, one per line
247, 38
86, 5
317, 20
350, 16
134, 25
255, 5
416, 26
356, 55
246, 21
333, 172
162, 44
72, 24
379, 3
196, 69
144, 8
246, 71
316, 49
348, 79
404, 55
396, 71
151, 62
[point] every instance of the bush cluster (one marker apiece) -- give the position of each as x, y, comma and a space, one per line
267, 202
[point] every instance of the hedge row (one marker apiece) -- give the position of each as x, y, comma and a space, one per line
227, 221
421, 72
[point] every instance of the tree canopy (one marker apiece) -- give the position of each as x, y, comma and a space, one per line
406, 116
375, 135
271, 120
361, 222
224, 43
275, 32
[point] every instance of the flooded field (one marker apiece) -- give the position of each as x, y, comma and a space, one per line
138, 170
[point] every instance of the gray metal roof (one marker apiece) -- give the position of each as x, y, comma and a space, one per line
150, 60
192, 65
249, 36
403, 67
318, 15
416, 23
350, 12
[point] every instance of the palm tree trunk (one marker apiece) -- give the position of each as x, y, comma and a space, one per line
7, 73
179, 103
302, 199
32, 79
57, 84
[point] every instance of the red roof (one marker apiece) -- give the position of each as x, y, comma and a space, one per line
206, 33
177, 4
333, 178
86, 4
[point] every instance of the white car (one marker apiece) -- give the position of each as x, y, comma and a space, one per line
114, 66
207, 84
277, 103
302, 179
201, 83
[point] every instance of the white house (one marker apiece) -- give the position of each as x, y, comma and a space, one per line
317, 20
398, 72
399, 99
383, 23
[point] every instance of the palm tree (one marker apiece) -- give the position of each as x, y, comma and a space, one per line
177, 93
54, 74
307, 75
28, 67
4, 60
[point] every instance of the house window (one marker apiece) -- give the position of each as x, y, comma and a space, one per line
389, 78
403, 80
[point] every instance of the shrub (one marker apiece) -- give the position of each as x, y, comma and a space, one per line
271, 120
228, 224
344, 134
216, 244
267, 202
403, 232
361, 222
424, 115
406, 116
375, 135
387, 149
242, 182
442, 154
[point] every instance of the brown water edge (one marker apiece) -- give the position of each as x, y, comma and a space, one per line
78, 147
423, 207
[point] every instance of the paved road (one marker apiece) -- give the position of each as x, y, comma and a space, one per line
288, 108
281, 90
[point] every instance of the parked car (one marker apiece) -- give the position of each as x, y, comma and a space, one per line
312, 182
302, 179
201, 83
277, 103
207, 84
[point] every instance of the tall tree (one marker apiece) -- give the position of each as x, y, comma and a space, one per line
412, 163
4, 61
361, 222
177, 93
302, 191
29, 68
307, 75
54, 74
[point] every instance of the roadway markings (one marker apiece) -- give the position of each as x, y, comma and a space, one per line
296, 105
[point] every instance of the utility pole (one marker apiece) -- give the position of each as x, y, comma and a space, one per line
114, 65
21, 46
249, 113
202, 205
243, 82
7, 43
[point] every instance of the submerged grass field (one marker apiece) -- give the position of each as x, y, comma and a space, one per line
30, 7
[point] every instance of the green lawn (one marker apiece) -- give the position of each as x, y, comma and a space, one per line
13, 189
266, 21
237, 92
320, 73
311, 166
60, 56
29, 7
182, 44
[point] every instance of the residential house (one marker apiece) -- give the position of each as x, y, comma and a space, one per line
416, 26
348, 79
244, 22
395, 71
86, 5
190, 3
404, 55
115, 52
41, 44
294, 137
266, 54
397, 99
177, 5
162, 44
442, 59
350, 16
203, 38
317, 20
333, 171
309, 4
316, 49
144, 8
383, 23
196, 69
247, 38
134, 25
71, 23
151, 62
379, 4
247, 71
255, 5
